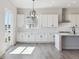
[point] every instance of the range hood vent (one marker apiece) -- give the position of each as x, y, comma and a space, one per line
64, 20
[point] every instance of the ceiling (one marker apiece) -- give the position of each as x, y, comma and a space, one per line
46, 3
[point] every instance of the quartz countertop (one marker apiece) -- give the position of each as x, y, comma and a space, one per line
69, 34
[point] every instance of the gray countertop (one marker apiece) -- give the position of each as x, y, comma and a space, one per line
69, 34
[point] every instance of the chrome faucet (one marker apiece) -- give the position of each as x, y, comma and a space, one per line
74, 29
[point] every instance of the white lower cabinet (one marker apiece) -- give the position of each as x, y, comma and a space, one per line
50, 37
37, 37
41, 37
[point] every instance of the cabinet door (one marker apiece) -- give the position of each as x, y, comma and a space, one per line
42, 20
55, 20
47, 20
52, 20
41, 37
70, 42
39, 21
19, 36
29, 37
77, 19
50, 37
73, 19
20, 20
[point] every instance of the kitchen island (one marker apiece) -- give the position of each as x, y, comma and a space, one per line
67, 41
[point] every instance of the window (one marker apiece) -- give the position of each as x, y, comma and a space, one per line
8, 19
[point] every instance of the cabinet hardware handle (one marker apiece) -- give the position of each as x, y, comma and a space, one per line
41, 36
28, 36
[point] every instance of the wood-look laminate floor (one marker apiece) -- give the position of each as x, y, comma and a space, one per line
42, 51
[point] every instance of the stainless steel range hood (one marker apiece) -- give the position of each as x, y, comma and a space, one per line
64, 20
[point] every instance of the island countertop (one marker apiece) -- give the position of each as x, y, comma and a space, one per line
68, 34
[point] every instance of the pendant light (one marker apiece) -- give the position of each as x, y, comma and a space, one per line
32, 19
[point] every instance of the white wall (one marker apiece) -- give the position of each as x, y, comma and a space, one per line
5, 4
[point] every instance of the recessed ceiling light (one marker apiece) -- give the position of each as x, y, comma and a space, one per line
53, 2
74, 2
69, 5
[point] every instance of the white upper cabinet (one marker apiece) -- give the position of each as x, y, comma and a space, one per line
20, 20
74, 19
77, 19
52, 20
48, 20
42, 20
